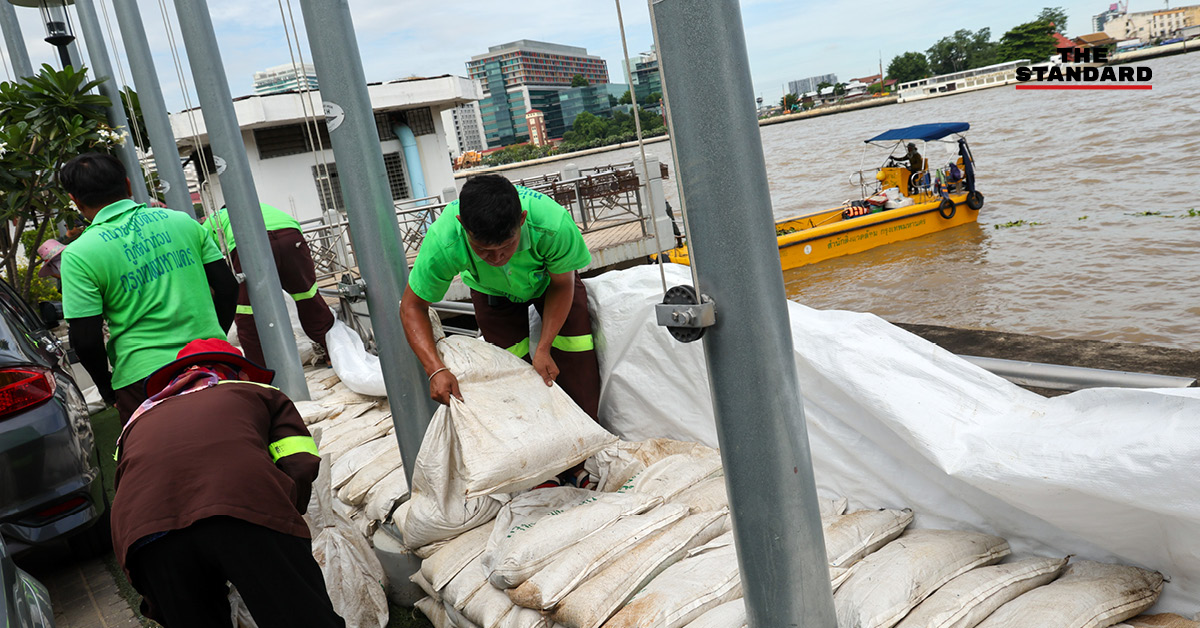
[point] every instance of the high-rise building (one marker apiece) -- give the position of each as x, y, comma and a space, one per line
647, 79
523, 75
285, 78
467, 128
536, 122
806, 85
1100, 19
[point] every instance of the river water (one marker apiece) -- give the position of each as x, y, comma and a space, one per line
1086, 165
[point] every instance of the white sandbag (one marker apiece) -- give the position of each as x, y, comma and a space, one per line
1161, 620
445, 563
535, 526
435, 612
341, 395
422, 583
355, 491
684, 591
613, 466
312, 412
1087, 595
970, 598
832, 506
674, 474
511, 431
385, 497
886, 585
524, 618
705, 496
464, 584
487, 606
552, 582
353, 575
458, 619
342, 437
603, 594
731, 614
239, 614
357, 368
848, 538
352, 461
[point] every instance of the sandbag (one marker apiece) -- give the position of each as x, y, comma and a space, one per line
731, 614
535, 526
883, 587
357, 368
549, 585
691, 587
848, 538
343, 436
704, 496
422, 583
511, 431
445, 563
487, 606
356, 459
435, 612
384, 498
464, 584
603, 594
312, 412
355, 492
1162, 620
673, 474
1087, 595
970, 598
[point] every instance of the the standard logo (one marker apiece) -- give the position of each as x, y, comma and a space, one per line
1084, 76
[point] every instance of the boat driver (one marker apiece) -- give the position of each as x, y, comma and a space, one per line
916, 163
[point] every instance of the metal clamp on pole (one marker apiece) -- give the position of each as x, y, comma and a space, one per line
351, 288
685, 313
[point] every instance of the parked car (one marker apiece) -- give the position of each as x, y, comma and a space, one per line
50, 484
24, 603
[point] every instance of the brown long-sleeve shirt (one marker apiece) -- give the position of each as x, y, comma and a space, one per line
206, 454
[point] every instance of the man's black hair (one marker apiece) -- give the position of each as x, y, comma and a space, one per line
489, 208
94, 179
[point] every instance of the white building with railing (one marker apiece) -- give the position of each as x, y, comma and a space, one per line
958, 82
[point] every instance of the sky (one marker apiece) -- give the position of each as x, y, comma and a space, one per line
786, 39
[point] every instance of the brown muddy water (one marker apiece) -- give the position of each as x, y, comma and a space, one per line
1109, 176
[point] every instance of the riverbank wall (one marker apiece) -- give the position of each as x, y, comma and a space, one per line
1155, 51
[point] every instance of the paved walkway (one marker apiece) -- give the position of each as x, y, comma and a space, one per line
83, 592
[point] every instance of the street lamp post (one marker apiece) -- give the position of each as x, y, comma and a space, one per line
57, 21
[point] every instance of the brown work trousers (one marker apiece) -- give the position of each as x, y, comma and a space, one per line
505, 323
129, 398
298, 276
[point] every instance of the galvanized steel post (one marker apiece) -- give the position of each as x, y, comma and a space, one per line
254, 251
760, 419
154, 108
14, 40
371, 212
101, 68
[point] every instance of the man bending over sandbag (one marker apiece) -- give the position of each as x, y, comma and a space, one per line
214, 471
513, 247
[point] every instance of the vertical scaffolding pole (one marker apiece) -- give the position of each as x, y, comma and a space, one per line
93, 36
245, 214
14, 40
760, 419
371, 212
154, 109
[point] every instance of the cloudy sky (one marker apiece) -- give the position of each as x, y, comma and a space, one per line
787, 39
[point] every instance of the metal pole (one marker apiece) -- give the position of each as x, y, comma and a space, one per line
154, 109
14, 40
254, 251
371, 212
759, 413
89, 25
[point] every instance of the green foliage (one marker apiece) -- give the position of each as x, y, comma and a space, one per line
518, 152
909, 66
653, 98
839, 90
626, 98
875, 88
964, 50
1191, 213
579, 81
1055, 16
1017, 223
589, 131
612, 101
1031, 40
40, 289
133, 113
789, 101
822, 85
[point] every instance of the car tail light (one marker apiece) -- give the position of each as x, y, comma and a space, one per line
24, 387
62, 507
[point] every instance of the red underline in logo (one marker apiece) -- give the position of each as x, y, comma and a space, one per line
1052, 86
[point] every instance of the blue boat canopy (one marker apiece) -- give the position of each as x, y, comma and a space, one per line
923, 132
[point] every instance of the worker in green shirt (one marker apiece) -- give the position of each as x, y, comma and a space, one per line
154, 275
297, 276
513, 247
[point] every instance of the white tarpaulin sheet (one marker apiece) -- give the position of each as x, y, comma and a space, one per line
895, 421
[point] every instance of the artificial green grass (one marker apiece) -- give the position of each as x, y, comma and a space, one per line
401, 617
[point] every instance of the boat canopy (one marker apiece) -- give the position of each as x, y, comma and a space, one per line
923, 132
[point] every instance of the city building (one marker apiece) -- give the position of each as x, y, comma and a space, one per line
536, 122
464, 129
594, 99
285, 78
873, 79
1153, 25
647, 80
1100, 19
804, 86
522, 75
294, 167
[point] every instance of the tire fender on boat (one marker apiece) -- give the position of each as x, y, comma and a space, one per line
947, 208
975, 200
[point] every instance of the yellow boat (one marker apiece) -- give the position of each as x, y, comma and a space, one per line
898, 202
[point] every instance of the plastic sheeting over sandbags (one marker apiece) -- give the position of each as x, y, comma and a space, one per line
894, 421
1088, 595
968, 599
357, 368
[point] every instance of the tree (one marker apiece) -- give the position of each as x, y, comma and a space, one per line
909, 66
1056, 17
1031, 40
653, 98
612, 101
788, 101
579, 81
45, 120
964, 50
626, 98
822, 85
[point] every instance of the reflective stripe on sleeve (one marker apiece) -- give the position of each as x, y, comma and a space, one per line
292, 445
245, 309
574, 344
300, 296
521, 349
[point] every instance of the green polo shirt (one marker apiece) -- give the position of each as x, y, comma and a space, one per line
142, 268
275, 219
550, 243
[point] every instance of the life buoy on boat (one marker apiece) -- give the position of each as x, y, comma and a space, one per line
975, 200
947, 208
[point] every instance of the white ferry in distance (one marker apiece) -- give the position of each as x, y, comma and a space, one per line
966, 81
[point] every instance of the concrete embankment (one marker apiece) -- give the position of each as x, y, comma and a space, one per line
824, 111
1155, 51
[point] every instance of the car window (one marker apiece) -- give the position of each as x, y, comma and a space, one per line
18, 308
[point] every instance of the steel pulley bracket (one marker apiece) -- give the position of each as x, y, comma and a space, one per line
351, 288
685, 313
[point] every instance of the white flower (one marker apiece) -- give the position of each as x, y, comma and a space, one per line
3, 148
